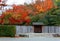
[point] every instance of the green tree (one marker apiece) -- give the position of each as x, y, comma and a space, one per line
57, 2
52, 17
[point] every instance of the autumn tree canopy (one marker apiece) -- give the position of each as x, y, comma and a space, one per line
42, 6
24, 14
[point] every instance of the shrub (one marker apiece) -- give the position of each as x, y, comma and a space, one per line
7, 31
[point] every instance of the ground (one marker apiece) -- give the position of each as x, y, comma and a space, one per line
30, 39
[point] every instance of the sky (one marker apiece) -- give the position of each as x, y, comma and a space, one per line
17, 2
10, 2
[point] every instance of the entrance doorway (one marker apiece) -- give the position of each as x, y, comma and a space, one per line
37, 28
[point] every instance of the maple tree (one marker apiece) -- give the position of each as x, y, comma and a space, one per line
16, 15
44, 5
23, 14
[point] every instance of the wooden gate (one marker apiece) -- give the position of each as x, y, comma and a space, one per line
37, 29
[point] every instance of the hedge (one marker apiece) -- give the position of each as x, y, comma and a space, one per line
7, 31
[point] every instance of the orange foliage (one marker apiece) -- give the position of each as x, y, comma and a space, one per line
18, 14
44, 6
21, 13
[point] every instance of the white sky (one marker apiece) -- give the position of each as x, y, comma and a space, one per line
17, 2
10, 2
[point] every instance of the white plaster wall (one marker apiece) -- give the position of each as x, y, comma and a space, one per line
51, 29
30, 29
24, 29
